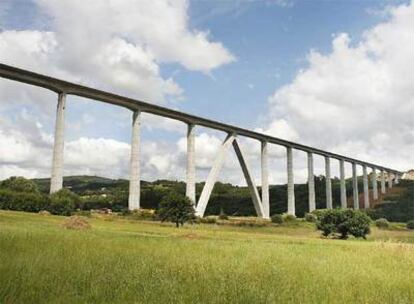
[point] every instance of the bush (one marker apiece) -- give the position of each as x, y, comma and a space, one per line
176, 208
410, 224
312, 218
318, 212
76, 222
63, 202
208, 220
143, 214
382, 223
289, 218
22, 201
250, 223
341, 222
19, 184
277, 218
223, 217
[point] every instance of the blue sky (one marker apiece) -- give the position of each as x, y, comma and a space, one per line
245, 71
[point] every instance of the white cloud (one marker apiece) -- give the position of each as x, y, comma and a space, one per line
114, 45
357, 99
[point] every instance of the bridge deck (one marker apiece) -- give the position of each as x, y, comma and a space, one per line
61, 86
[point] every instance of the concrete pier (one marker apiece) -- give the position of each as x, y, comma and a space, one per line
374, 184
134, 175
342, 183
249, 180
191, 167
311, 184
56, 181
212, 176
328, 186
383, 182
389, 180
366, 187
355, 186
290, 182
265, 180
63, 88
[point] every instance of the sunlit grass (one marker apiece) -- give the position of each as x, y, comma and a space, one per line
120, 261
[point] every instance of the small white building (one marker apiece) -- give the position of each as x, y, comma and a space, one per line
409, 175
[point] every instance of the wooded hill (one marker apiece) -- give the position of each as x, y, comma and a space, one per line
98, 192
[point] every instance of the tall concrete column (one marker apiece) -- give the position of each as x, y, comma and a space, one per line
213, 175
134, 174
191, 169
56, 181
342, 183
355, 186
311, 183
328, 181
389, 180
374, 184
290, 182
383, 182
249, 180
265, 180
366, 187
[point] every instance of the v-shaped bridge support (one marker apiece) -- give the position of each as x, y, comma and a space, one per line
215, 170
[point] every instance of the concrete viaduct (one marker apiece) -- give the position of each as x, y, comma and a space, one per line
261, 204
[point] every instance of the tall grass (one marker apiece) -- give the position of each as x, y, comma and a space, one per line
134, 262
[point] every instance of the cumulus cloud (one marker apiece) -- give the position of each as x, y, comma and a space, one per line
114, 45
357, 99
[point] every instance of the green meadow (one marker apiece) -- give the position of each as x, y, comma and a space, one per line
124, 261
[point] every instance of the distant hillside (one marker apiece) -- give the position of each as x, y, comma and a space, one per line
234, 200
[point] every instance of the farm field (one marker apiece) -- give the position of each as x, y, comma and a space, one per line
122, 261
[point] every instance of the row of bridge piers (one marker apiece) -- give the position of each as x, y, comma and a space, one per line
261, 202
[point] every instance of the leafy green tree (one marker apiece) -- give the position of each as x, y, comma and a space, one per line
63, 202
19, 184
176, 208
341, 222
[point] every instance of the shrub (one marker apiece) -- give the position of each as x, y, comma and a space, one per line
318, 212
277, 218
176, 208
410, 224
22, 201
223, 217
382, 223
76, 222
251, 223
312, 218
289, 218
19, 184
143, 214
341, 222
125, 212
63, 202
208, 220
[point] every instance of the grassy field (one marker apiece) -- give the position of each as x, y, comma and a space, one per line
119, 261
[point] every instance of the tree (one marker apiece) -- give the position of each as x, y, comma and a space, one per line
19, 184
341, 222
176, 208
63, 202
